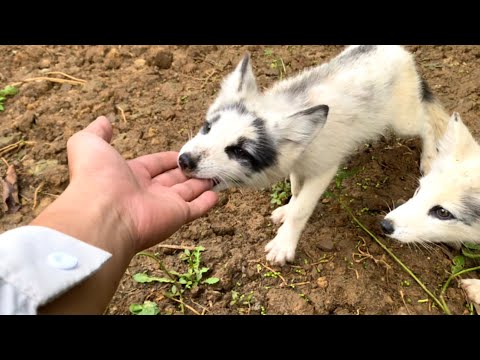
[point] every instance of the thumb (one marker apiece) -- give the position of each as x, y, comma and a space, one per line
94, 139
101, 127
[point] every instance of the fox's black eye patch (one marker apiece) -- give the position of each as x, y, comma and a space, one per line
256, 154
239, 152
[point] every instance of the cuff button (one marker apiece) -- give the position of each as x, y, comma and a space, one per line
61, 260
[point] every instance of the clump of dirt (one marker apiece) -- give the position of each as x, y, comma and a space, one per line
164, 93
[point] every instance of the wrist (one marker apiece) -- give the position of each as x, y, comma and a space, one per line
96, 221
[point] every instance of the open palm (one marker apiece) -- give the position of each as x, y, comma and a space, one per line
151, 194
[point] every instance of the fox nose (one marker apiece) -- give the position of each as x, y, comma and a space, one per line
187, 162
387, 226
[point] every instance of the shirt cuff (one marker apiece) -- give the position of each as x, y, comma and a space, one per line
38, 264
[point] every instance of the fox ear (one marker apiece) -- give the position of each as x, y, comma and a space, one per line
457, 140
240, 83
301, 126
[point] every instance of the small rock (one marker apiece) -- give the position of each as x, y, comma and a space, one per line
25, 121
200, 50
168, 114
322, 282
138, 50
152, 132
7, 140
388, 299
44, 63
79, 61
113, 60
95, 54
251, 272
325, 244
223, 229
66, 87
189, 68
93, 86
162, 59
139, 63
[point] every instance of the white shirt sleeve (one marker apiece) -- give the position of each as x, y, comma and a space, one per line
37, 264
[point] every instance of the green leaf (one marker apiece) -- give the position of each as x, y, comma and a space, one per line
8, 91
204, 270
470, 254
135, 308
2, 98
144, 278
1, 107
148, 308
182, 280
174, 290
472, 246
211, 281
458, 264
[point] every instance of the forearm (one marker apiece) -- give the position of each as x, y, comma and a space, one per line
96, 222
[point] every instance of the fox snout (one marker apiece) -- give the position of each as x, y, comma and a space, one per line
188, 163
387, 226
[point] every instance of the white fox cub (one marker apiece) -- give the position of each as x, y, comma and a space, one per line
446, 205
255, 139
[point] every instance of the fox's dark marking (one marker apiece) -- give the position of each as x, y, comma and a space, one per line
356, 52
214, 119
243, 71
239, 107
316, 114
470, 209
426, 93
256, 154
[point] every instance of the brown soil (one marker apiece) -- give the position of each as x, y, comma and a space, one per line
164, 92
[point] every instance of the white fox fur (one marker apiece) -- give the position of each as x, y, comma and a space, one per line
446, 205
305, 126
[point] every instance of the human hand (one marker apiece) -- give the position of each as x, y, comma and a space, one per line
143, 201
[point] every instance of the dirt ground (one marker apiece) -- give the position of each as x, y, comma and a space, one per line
164, 93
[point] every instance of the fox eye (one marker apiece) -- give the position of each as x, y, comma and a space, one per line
239, 152
441, 213
206, 127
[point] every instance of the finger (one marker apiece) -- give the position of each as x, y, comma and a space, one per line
157, 163
170, 177
101, 127
192, 188
202, 204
